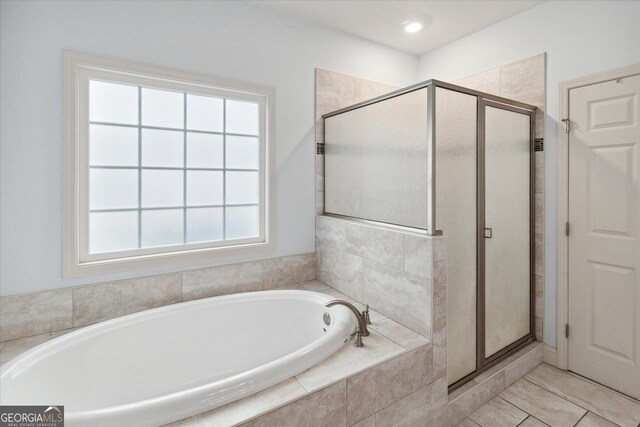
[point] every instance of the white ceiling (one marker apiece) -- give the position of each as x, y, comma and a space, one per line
383, 21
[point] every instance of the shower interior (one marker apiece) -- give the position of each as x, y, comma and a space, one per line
437, 158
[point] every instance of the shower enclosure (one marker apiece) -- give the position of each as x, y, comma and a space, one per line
442, 159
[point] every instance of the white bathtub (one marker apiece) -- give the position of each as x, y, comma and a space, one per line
169, 363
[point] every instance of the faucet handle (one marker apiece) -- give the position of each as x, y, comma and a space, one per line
358, 336
358, 342
365, 315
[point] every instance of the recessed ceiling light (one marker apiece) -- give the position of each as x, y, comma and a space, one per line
412, 27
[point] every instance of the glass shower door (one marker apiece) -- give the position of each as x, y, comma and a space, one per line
506, 232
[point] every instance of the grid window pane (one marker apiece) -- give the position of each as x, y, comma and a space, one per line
204, 188
162, 148
242, 188
162, 108
204, 150
113, 189
169, 168
162, 227
242, 117
113, 103
113, 231
204, 224
242, 152
205, 113
162, 188
241, 222
113, 145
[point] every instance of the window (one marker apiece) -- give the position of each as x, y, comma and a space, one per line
161, 164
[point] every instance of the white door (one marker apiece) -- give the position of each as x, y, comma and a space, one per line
604, 238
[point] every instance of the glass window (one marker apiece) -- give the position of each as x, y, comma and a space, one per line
162, 166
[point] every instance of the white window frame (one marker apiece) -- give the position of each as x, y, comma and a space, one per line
79, 69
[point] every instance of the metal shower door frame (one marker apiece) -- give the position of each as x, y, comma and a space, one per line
483, 100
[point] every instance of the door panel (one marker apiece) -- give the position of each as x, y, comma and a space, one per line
604, 244
456, 158
507, 256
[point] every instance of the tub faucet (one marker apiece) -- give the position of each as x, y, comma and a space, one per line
362, 330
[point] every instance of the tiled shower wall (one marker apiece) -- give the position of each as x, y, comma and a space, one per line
389, 270
26, 315
524, 81
521, 81
385, 268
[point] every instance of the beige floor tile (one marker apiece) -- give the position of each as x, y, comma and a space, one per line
595, 398
532, 422
468, 422
592, 420
465, 404
543, 404
367, 422
498, 413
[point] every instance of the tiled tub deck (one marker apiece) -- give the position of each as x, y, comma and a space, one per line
388, 382
394, 363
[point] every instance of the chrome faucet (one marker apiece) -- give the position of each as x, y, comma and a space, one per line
362, 319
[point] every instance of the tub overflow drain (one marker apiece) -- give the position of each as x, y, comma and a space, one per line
326, 318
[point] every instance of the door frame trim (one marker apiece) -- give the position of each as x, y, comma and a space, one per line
562, 199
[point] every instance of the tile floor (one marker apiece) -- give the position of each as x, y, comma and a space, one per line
547, 396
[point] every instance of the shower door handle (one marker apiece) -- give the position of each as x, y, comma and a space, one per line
488, 232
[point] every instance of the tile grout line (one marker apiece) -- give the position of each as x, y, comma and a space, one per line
393, 403
555, 394
531, 416
509, 403
578, 422
522, 409
577, 404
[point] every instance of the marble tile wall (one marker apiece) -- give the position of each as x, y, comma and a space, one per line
39, 313
524, 81
34, 314
388, 269
335, 91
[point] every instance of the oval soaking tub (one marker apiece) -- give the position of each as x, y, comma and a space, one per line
169, 363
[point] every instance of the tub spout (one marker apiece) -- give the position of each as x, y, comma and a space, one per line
362, 330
